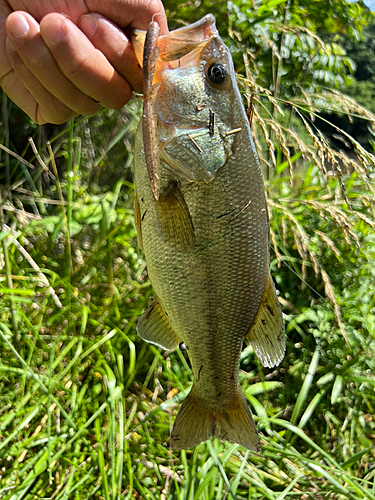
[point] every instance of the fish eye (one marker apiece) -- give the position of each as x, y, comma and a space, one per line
216, 73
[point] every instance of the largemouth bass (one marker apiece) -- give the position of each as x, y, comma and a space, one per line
202, 221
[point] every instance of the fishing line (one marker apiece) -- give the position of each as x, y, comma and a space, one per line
303, 281
311, 288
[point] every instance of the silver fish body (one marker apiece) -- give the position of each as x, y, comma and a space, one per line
206, 239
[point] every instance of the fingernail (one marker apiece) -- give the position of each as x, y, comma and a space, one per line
19, 27
88, 25
52, 31
91, 23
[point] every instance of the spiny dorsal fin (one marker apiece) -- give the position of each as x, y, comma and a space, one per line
154, 327
266, 334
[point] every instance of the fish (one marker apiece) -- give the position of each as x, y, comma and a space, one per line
205, 233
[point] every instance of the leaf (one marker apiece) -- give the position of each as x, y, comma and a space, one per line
46, 224
336, 389
282, 166
325, 379
74, 228
355, 458
4, 234
16, 291
261, 387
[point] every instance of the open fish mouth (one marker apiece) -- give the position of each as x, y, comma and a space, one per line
180, 42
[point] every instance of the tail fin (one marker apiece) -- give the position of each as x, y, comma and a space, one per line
197, 422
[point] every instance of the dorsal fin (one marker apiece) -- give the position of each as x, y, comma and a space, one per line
267, 333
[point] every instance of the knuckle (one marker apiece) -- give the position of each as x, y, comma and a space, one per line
75, 69
6, 80
36, 60
45, 115
84, 104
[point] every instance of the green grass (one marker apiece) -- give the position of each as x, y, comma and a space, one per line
86, 407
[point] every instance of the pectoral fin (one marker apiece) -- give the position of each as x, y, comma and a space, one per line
266, 334
154, 327
138, 38
174, 217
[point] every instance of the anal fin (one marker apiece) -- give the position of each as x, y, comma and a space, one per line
267, 333
154, 327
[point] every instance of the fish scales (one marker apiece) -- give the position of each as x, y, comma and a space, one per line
206, 240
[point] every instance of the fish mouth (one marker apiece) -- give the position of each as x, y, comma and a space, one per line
177, 43
180, 42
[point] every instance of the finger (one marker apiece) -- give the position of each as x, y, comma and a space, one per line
84, 65
24, 35
50, 110
5, 66
30, 95
17, 92
73, 9
130, 13
124, 13
116, 47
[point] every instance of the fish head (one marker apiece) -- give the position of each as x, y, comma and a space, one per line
196, 101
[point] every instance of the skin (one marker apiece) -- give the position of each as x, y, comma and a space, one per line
62, 58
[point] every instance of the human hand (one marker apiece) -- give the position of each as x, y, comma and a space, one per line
62, 58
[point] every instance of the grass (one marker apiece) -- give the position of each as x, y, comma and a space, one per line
86, 407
